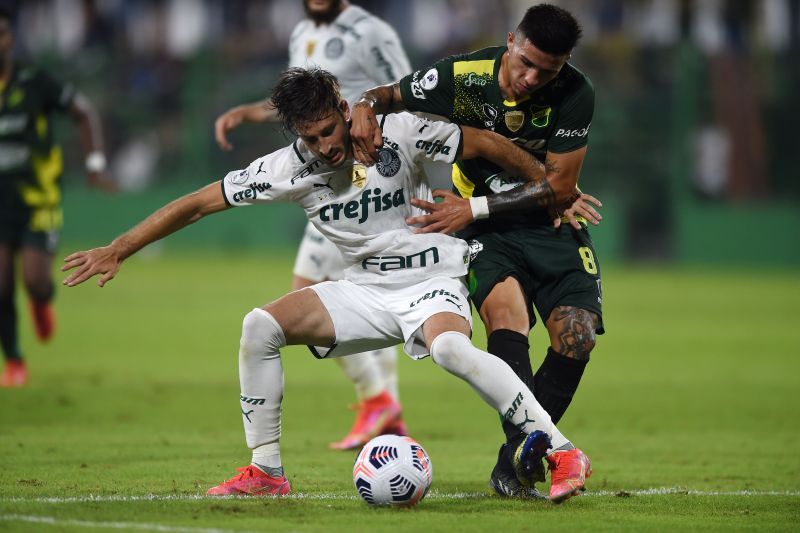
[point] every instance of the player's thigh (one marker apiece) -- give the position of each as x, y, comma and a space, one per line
568, 292
303, 318
498, 284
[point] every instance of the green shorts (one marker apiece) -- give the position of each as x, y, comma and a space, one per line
16, 232
555, 267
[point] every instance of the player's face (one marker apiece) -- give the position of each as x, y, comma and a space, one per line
329, 137
527, 68
322, 11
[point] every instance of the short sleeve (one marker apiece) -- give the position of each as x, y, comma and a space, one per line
571, 130
431, 140
266, 179
430, 90
382, 55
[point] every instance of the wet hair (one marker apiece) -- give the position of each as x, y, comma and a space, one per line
303, 95
551, 29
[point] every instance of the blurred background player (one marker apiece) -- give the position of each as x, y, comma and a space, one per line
527, 91
361, 50
30, 194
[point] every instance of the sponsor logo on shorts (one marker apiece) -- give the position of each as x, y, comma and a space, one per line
334, 48
573, 133
371, 199
447, 295
475, 247
433, 147
251, 192
399, 262
388, 162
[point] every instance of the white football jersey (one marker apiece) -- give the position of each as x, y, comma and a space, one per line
360, 209
360, 49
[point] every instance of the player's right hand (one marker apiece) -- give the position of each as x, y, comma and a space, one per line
87, 264
226, 122
365, 133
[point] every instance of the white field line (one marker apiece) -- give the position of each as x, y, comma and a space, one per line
52, 521
434, 495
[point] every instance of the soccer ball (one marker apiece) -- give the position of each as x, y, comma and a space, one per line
392, 470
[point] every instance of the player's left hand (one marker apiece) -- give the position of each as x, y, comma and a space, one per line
451, 214
582, 206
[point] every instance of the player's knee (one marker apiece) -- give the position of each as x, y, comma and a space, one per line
449, 349
40, 290
261, 333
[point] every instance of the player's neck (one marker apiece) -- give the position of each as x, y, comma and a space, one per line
502, 80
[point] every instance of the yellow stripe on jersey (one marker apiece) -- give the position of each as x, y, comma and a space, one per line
462, 182
483, 66
47, 171
41, 126
515, 103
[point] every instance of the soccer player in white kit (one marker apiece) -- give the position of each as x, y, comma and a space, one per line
400, 286
362, 51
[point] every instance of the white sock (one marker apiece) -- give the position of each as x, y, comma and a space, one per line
387, 362
495, 382
363, 371
261, 381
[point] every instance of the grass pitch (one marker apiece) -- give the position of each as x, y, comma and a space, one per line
688, 411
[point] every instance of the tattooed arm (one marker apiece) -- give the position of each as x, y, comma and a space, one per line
553, 186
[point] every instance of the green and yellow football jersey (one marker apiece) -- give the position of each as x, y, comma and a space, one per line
465, 89
30, 161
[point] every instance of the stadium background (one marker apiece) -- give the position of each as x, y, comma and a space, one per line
689, 408
693, 143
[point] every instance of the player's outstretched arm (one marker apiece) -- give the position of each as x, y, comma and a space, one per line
364, 129
91, 133
261, 111
106, 260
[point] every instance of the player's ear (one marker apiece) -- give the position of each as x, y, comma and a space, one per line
344, 107
510, 39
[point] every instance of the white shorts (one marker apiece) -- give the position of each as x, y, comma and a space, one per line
369, 317
318, 259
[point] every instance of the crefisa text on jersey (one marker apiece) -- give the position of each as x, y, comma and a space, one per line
360, 209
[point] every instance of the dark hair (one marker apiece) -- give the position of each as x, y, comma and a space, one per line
551, 29
302, 96
6, 14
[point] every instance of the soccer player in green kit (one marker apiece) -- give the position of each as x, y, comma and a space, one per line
528, 92
30, 195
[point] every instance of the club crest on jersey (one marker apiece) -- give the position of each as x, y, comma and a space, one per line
541, 118
388, 162
310, 47
334, 48
358, 175
514, 120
